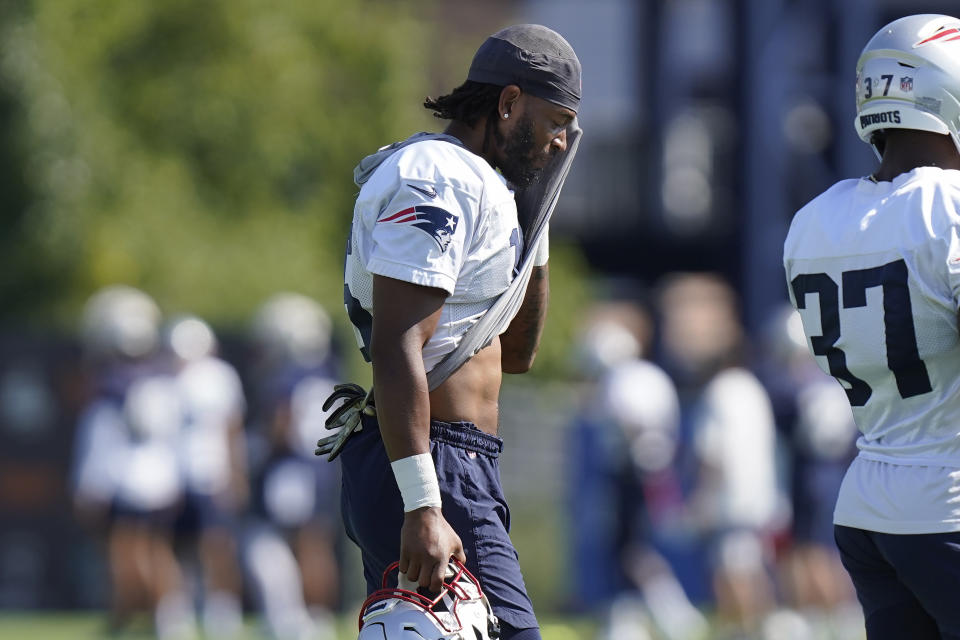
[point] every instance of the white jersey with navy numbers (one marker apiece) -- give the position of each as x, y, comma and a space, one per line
874, 270
436, 215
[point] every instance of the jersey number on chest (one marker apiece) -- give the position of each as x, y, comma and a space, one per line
903, 358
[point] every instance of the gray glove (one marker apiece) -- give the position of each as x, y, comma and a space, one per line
346, 419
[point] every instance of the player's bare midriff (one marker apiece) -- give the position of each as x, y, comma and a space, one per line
472, 393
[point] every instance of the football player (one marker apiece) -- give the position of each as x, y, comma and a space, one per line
212, 457
125, 467
435, 240
292, 550
873, 266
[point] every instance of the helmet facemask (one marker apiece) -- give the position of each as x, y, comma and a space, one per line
459, 612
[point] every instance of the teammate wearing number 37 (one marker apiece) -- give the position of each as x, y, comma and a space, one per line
446, 286
873, 266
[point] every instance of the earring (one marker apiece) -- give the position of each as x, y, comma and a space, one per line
506, 115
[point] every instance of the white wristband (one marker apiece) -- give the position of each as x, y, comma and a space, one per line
417, 480
543, 250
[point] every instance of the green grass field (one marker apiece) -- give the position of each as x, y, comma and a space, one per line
91, 626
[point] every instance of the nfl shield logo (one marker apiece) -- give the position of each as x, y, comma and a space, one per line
906, 83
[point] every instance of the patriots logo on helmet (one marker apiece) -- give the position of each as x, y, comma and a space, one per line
436, 222
943, 34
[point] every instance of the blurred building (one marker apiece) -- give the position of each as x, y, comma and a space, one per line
707, 124
40, 391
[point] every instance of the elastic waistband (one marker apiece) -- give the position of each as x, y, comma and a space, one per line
466, 435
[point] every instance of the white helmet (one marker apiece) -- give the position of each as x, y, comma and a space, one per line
120, 321
460, 612
908, 77
291, 327
189, 337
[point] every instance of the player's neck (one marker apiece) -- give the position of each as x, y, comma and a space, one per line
904, 154
471, 137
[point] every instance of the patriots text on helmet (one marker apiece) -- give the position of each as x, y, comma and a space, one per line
887, 117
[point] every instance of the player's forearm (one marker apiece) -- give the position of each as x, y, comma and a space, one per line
402, 400
405, 318
521, 340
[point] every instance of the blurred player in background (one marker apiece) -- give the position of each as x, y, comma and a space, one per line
212, 456
611, 333
873, 266
814, 417
125, 475
435, 240
624, 492
638, 401
293, 552
731, 438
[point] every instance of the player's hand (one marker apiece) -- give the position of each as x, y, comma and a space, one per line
427, 542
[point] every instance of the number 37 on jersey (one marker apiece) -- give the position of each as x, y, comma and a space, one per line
866, 328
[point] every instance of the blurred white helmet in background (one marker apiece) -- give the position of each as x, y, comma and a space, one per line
294, 328
611, 332
603, 345
908, 77
460, 612
120, 321
189, 338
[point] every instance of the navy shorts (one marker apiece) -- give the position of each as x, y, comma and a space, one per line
161, 519
201, 512
473, 503
908, 585
815, 487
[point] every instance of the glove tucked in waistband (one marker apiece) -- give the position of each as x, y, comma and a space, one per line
346, 419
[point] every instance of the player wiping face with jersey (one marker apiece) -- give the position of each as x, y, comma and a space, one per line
873, 266
435, 242
457, 232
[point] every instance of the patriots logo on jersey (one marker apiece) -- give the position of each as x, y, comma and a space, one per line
434, 221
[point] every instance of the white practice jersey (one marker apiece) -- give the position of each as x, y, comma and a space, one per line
735, 436
874, 270
101, 442
436, 215
213, 404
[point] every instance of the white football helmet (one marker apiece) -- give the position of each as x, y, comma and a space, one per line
189, 338
291, 327
120, 321
908, 77
459, 612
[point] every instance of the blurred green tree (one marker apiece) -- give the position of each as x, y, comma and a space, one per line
202, 151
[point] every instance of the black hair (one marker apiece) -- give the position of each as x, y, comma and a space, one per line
467, 103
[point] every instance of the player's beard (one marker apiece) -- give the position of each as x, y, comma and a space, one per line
518, 152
